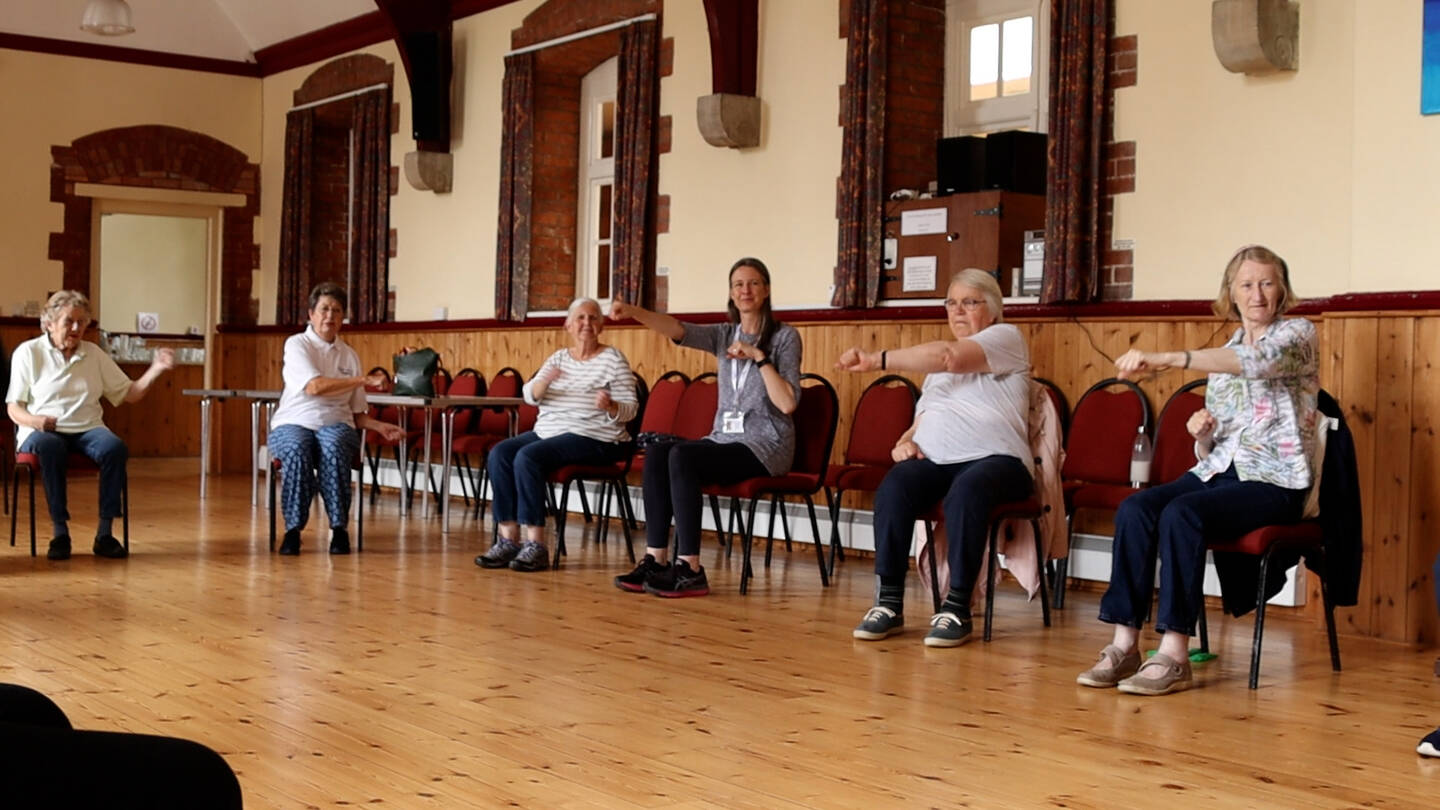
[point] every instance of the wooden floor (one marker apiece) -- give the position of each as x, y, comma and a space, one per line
407, 677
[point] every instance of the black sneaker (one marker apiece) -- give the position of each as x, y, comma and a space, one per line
108, 546
339, 540
1430, 746
948, 630
635, 580
879, 622
290, 546
677, 581
499, 555
59, 548
532, 557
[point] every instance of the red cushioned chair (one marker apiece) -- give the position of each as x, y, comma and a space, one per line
467, 383
1174, 446
490, 428
76, 464
375, 444
815, 418
882, 415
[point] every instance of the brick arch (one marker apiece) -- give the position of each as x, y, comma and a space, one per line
343, 75
160, 157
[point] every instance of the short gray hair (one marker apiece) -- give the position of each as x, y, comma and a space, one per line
64, 299
580, 302
984, 281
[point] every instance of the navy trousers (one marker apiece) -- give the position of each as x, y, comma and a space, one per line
520, 466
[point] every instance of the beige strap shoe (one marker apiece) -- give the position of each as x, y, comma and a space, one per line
1114, 666
1161, 675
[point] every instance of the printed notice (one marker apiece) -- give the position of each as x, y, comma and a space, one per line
919, 274
923, 221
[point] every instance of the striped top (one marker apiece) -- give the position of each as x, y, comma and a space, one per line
568, 405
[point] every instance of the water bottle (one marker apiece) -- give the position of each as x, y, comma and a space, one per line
1141, 454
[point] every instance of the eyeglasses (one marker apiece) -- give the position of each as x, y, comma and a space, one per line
969, 304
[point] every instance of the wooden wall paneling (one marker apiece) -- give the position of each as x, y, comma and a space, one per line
1390, 505
1422, 527
1358, 381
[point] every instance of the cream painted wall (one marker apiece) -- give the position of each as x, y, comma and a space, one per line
152, 264
53, 100
1224, 159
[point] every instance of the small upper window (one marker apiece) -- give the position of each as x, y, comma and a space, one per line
995, 54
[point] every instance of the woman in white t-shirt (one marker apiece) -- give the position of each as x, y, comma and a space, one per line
586, 395
967, 449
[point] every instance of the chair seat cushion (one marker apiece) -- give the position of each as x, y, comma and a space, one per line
789, 484
76, 462
1097, 496
1259, 541
576, 472
476, 444
865, 477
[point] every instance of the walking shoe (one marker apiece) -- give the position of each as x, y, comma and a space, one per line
1430, 746
532, 557
339, 540
108, 546
948, 630
679, 580
290, 546
635, 580
59, 548
1119, 665
1161, 675
879, 622
499, 555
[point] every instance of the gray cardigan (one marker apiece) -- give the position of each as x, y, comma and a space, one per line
769, 434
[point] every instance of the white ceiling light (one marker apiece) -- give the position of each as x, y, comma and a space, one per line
109, 18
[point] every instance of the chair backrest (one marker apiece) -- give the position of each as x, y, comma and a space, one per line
695, 415
1102, 432
528, 414
1062, 407
884, 412
815, 419
658, 415
496, 421
1174, 447
642, 401
468, 383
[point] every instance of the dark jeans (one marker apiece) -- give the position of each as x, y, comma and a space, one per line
46, 763
519, 467
100, 446
967, 491
1177, 517
674, 475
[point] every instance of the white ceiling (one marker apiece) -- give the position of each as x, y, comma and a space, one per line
220, 29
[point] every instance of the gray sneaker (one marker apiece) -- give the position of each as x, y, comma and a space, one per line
879, 622
948, 630
499, 555
532, 557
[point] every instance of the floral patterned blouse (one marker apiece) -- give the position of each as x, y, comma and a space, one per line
1266, 416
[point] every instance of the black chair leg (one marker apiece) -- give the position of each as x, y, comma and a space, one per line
1330, 624
618, 483
719, 528
819, 544
1040, 555
934, 573
992, 568
561, 514
747, 528
125, 511
832, 502
1062, 567
273, 505
31, 480
1204, 629
1259, 622
584, 504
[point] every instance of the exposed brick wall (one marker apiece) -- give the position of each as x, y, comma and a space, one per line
330, 205
165, 158
1117, 279
914, 92
343, 75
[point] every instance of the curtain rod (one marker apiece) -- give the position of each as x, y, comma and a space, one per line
580, 34
307, 105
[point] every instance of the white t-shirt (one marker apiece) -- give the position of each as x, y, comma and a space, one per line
48, 384
308, 356
964, 417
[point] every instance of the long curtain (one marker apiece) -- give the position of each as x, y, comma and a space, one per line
860, 202
1075, 203
517, 156
370, 214
635, 107
293, 281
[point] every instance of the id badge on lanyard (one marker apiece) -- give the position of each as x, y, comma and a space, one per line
734, 421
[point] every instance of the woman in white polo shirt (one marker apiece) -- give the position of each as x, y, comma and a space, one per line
56, 381
315, 429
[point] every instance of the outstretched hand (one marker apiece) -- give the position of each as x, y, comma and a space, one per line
164, 360
1135, 363
619, 310
852, 359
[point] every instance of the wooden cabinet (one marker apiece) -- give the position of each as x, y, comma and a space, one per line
984, 229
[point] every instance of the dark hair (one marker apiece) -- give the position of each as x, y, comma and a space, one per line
768, 324
331, 289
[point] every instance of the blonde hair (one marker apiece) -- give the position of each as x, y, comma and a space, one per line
984, 281
62, 300
1224, 305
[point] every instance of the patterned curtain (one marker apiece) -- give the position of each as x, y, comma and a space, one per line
370, 215
862, 158
1079, 128
517, 155
293, 281
635, 108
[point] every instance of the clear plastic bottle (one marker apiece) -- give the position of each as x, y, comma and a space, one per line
1141, 454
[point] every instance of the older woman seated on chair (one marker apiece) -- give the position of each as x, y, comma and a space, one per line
968, 449
315, 430
586, 395
56, 382
1254, 439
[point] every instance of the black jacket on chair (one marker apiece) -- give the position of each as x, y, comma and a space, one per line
1339, 520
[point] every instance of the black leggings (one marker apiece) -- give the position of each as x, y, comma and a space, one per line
44, 762
674, 474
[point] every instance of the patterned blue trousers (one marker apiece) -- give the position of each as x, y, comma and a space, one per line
306, 455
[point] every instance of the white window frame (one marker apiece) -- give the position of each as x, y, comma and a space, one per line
597, 87
1025, 111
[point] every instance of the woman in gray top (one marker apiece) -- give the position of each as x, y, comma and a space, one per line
753, 434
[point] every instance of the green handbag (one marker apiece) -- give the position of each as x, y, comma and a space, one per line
415, 373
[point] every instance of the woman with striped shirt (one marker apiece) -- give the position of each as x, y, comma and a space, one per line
586, 395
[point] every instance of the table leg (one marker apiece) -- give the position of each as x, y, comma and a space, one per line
447, 433
255, 452
425, 479
404, 460
204, 445
269, 462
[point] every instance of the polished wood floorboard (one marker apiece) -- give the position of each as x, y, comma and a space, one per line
407, 677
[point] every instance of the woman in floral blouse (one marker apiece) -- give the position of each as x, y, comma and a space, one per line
1253, 441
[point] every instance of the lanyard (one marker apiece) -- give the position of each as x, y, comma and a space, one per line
739, 369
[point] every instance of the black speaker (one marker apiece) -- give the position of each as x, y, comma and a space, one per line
430, 64
960, 165
1015, 161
